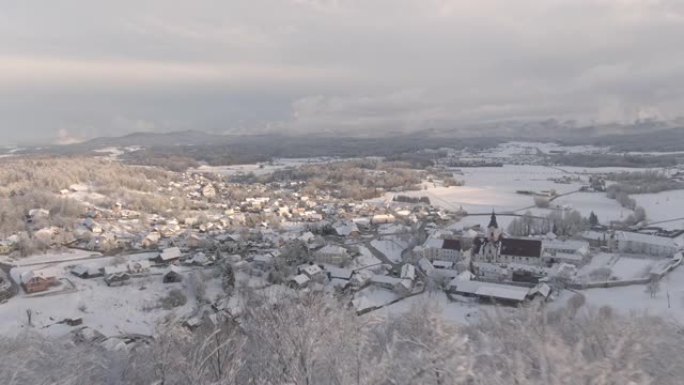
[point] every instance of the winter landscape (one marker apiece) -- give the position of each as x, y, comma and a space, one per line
342, 192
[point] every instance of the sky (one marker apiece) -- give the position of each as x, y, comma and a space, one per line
77, 69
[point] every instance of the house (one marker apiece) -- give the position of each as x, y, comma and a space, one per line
332, 254
426, 266
299, 281
408, 272
169, 254
570, 251
85, 271
151, 240
382, 218
200, 259
403, 287
313, 271
35, 281
172, 275
138, 267
262, 261
638, 243
334, 272
445, 249
116, 274
556, 246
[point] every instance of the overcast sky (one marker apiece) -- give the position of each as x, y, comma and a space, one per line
73, 69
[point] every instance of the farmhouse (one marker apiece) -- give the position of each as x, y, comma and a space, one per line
262, 261
38, 280
116, 274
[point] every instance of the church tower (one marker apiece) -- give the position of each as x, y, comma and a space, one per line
493, 231
491, 249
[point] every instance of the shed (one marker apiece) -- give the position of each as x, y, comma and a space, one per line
172, 275
170, 254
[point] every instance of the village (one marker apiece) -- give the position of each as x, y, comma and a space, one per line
281, 239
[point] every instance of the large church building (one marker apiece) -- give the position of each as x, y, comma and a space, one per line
494, 247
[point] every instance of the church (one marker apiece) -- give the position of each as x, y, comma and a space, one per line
494, 247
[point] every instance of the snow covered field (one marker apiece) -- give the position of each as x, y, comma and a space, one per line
585, 202
488, 188
133, 308
636, 298
663, 206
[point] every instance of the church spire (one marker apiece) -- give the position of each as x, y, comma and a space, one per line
492, 221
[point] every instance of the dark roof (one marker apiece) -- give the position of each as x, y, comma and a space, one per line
451, 244
521, 247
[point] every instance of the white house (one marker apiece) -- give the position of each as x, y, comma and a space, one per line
570, 251
332, 254
444, 249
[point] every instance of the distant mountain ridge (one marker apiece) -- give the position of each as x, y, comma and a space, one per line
640, 136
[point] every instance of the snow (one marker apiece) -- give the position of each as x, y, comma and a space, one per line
585, 202
622, 267
494, 188
52, 257
130, 308
390, 248
635, 298
459, 312
663, 206
631, 268
366, 258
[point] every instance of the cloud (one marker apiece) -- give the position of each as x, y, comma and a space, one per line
65, 137
334, 65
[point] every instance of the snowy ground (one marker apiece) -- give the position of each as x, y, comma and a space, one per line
663, 206
494, 188
623, 267
636, 298
52, 257
605, 209
366, 258
390, 247
131, 308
